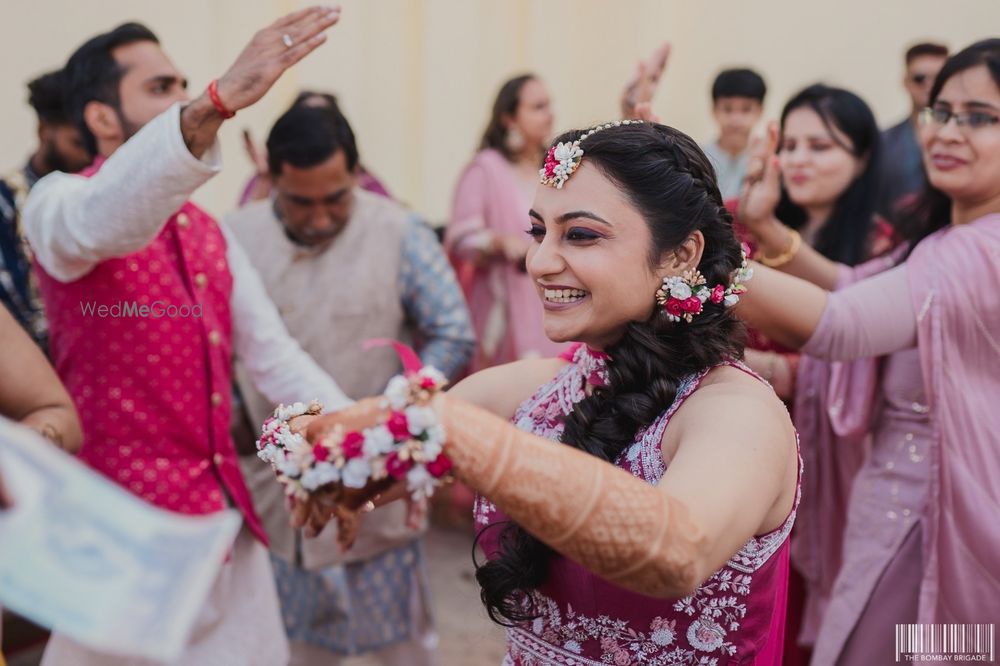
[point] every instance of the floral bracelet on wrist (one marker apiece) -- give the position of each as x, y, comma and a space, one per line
405, 445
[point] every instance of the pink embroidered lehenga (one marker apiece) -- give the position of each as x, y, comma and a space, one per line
737, 616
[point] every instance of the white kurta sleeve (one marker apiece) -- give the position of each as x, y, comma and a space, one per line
72, 222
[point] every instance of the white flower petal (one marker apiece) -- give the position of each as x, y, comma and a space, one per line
356, 473
419, 419
680, 290
289, 467
435, 375
419, 482
432, 449
378, 441
397, 391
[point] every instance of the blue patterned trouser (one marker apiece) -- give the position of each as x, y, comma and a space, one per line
355, 608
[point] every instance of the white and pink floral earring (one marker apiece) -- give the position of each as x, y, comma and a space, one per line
684, 296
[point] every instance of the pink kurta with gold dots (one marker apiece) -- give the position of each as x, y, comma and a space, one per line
153, 391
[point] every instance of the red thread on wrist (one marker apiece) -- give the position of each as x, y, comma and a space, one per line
213, 94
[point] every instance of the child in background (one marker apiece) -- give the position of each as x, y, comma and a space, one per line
737, 105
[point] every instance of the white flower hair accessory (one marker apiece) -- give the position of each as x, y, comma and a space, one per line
563, 159
684, 296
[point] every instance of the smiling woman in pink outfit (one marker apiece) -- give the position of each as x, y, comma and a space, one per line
638, 491
920, 544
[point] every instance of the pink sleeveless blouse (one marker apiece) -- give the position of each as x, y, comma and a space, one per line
736, 616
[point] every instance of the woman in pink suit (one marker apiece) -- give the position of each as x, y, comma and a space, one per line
486, 235
920, 543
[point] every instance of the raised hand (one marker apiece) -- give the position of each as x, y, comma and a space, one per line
272, 51
762, 185
268, 55
641, 87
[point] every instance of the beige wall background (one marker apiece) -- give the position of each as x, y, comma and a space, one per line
417, 77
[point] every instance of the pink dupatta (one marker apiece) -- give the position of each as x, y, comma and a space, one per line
833, 412
955, 286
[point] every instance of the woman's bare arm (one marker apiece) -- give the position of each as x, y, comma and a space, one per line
30, 391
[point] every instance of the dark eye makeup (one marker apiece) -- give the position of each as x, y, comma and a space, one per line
573, 234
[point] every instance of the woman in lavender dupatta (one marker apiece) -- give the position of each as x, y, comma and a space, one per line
942, 302
486, 235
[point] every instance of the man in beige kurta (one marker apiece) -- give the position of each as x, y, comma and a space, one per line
344, 266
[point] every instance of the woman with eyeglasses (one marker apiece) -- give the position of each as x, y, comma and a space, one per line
922, 543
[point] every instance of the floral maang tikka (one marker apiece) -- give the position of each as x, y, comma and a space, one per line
563, 159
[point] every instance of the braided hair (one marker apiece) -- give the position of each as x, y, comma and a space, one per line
667, 178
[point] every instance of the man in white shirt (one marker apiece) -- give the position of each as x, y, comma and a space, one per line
149, 300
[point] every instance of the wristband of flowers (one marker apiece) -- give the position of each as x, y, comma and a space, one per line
406, 446
277, 438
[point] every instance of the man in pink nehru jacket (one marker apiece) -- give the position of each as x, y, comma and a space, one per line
149, 301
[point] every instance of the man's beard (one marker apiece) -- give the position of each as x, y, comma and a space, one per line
129, 129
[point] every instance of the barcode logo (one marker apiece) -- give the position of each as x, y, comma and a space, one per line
945, 642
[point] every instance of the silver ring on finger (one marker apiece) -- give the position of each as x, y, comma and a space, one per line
287, 40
